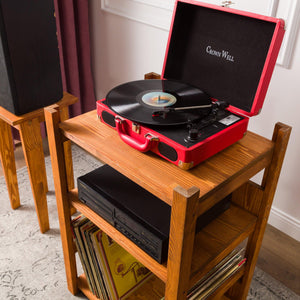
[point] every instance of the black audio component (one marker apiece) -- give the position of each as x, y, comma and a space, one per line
135, 212
30, 76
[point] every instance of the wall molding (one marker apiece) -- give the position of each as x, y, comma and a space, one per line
156, 13
285, 223
288, 10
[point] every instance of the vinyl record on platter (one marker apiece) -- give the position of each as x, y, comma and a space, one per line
137, 100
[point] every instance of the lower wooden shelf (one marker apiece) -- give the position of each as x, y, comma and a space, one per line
152, 289
219, 238
211, 245
229, 282
83, 287
160, 270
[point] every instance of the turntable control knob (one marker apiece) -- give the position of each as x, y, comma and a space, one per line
193, 134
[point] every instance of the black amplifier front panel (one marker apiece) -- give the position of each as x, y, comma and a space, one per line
153, 244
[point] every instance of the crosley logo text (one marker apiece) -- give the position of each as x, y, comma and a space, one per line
224, 54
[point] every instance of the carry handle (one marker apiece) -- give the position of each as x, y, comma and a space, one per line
145, 146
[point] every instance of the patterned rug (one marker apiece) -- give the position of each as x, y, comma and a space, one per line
31, 263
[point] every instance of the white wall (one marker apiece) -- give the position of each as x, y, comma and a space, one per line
124, 50
282, 104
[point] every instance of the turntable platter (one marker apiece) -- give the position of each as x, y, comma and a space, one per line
138, 100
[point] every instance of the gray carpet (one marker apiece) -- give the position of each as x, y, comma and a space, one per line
31, 263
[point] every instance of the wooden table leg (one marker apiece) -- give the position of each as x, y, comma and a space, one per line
33, 151
61, 187
182, 234
7, 158
64, 115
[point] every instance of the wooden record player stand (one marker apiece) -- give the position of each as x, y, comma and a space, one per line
190, 193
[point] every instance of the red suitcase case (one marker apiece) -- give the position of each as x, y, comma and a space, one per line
228, 54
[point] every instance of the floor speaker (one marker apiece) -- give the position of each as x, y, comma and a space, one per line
30, 76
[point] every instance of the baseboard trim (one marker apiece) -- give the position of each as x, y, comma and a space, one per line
285, 223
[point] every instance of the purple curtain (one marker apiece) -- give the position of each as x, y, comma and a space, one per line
74, 46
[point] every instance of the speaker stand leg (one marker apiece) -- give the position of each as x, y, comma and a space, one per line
7, 158
33, 151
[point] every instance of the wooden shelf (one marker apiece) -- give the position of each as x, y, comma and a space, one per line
152, 289
189, 193
219, 238
158, 269
238, 162
212, 243
219, 293
83, 286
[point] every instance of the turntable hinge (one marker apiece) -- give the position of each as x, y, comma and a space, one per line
136, 128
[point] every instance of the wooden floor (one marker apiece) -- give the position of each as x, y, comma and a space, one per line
279, 255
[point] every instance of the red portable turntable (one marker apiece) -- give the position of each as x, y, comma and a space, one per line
217, 68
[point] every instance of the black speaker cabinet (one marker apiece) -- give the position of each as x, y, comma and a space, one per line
30, 76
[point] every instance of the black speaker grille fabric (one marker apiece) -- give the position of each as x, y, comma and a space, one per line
167, 151
221, 53
108, 118
30, 69
5, 91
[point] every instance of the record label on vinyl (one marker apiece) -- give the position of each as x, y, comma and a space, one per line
158, 99
138, 100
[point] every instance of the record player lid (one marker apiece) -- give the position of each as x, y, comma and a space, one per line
229, 54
